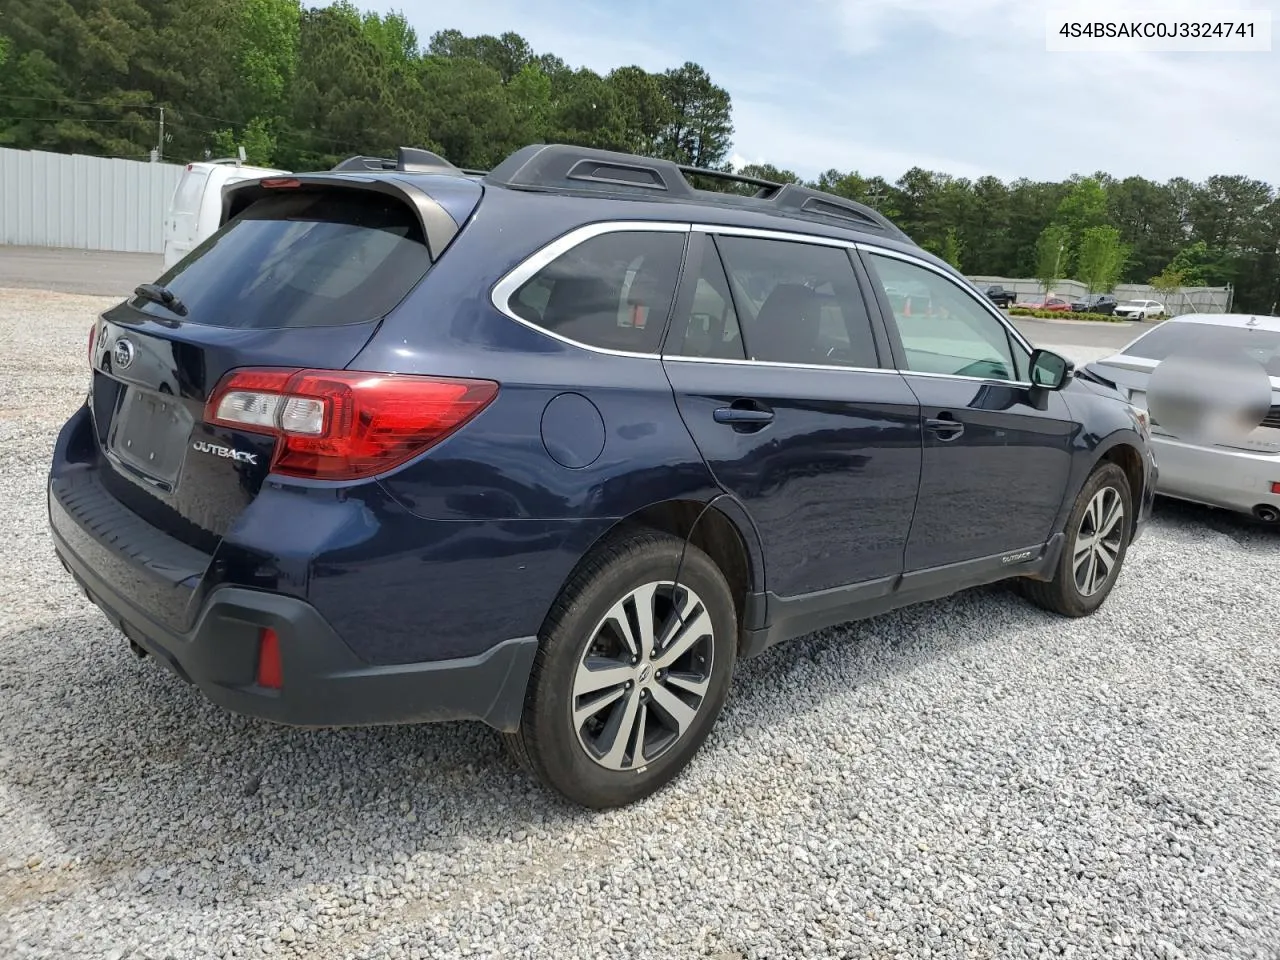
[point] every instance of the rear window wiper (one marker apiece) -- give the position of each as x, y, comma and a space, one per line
161, 295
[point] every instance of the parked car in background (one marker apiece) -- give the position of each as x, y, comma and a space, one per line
196, 206
1103, 303
1242, 474
1140, 309
1052, 303
554, 447
1000, 296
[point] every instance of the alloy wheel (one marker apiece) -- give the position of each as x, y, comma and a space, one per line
1098, 541
643, 677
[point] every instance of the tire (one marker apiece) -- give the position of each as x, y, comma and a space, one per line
674, 701
1068, 592
1141, 317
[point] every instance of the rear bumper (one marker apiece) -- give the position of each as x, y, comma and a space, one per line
324, 682
1232, 479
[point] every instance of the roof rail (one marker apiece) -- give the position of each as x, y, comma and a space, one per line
577, 169
408, 160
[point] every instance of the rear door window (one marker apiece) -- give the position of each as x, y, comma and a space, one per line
302, 259
612, 292
798, 302
711, 330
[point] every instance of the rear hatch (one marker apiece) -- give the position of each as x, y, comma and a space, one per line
1130, 370
300, 279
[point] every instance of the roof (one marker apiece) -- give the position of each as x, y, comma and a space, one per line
607, 175
1258, 321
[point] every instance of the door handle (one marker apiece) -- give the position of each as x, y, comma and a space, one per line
944, 426
744, 415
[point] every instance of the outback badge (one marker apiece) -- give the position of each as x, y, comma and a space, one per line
242, 456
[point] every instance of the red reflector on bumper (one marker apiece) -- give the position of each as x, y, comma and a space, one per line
1275, 487
269, 672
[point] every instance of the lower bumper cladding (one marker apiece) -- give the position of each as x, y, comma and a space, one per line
321, 682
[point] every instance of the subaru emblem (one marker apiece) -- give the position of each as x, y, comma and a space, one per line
123, 353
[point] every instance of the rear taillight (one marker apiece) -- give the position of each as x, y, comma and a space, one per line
345, 424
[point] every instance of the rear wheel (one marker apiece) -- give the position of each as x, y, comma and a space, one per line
632, 671
1098, 533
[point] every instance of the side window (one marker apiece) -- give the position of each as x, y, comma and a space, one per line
711, 330
944, 329
613, 291
798, 302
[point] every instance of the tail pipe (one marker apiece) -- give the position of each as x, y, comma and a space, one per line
1267, 513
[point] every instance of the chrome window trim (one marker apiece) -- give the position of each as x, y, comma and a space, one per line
960, 376
759, 233
778, 363
528, 268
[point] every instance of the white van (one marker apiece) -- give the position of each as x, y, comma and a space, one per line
196, 207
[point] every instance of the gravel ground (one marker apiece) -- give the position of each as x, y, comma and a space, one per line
970, 778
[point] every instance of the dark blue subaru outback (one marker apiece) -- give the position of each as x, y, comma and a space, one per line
551, 447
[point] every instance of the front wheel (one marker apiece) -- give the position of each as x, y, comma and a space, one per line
1098, 533
632, 671
1142, 316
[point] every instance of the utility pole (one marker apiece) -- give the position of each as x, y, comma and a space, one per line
160, 145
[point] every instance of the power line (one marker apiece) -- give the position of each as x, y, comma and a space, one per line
78, 119
93, 103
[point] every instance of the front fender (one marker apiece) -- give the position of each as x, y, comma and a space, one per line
1104, 422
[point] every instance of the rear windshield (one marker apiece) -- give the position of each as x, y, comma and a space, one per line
302, 260
1185, 338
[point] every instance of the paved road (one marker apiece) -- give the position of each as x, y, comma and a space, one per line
1083, 333
91, 272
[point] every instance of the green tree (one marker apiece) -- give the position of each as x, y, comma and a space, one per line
1052, 250
1168, 282
586, 111
507, 54
1201, 266
701, 126
951, 248
267, 52
1083, 207
256, 137
529, 94
466, 112
1100, 258
645, 110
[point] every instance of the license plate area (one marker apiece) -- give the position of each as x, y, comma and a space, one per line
149, 435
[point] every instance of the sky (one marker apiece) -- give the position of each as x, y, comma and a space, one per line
964, 87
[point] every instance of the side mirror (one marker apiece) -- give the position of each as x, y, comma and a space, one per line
1049, 371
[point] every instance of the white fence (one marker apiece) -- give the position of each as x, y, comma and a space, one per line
90, 203
1186, 300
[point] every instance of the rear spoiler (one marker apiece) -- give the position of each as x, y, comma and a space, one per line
438, 227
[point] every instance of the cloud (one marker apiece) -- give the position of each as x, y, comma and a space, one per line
960, 86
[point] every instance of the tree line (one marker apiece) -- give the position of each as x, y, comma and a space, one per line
303, 87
